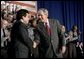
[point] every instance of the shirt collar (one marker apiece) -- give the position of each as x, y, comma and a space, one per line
47, 21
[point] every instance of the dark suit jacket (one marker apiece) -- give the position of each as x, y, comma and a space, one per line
21, 44
50, 42
44, 39
55, 29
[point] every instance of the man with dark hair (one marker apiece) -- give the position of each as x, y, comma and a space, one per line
21, 45
3, 15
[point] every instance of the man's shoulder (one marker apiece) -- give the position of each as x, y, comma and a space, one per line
19, 24
54, 20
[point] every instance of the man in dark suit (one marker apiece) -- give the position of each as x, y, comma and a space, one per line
21, 45
49, 34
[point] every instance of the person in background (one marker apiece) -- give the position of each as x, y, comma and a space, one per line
79, 48
63, 37
4, 15
33, 34
5, 38
72, 42
10, 17
10, 20
5, 34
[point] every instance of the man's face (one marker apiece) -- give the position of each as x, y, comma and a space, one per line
75, 29
42, 16
4, 24
10, 18
5, 16
26, 18
63, 29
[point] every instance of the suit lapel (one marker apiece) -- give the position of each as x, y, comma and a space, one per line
50, 24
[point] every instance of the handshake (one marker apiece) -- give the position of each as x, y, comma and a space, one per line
34, 44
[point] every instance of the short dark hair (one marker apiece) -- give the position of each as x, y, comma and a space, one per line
73, 27
2, 14
20, 13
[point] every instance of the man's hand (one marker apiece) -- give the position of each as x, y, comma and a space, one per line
34, 44
63, 49
77, 44
68, 37
81, 45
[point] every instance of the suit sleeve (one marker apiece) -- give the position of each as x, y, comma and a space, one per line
24, 37
58, 26
37, 37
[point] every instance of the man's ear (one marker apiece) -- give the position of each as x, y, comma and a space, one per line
22, 17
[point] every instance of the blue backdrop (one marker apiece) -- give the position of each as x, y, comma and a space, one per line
67, 12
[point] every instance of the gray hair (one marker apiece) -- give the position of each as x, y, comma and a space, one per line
45, 11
